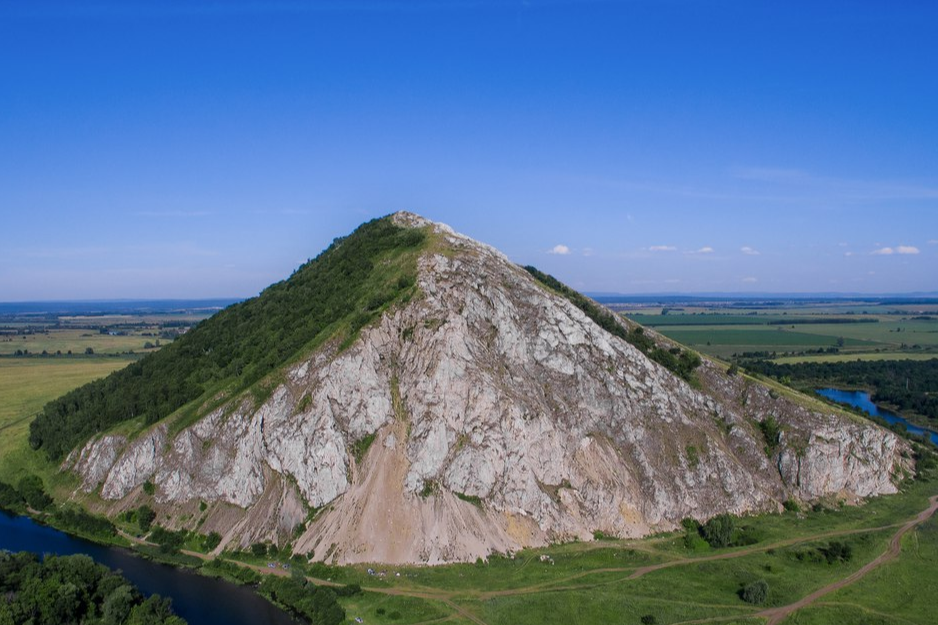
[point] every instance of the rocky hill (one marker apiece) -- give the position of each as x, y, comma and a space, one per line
468, 407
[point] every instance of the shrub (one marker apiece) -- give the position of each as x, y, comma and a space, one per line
772, 433
755, 593
837, 552
145, 517
31, 489
649, 619
10, 498
211, 540
718, 531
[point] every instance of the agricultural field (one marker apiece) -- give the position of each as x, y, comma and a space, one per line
68, 341
810, 331
46, 353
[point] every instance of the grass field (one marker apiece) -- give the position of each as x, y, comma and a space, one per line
26, 384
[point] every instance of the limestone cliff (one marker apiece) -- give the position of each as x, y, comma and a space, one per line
486, 414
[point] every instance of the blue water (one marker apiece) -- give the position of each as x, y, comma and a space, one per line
198, 599
861, 400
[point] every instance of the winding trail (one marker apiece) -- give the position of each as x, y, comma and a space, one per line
776, 615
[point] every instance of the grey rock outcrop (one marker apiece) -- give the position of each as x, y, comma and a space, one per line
501, 417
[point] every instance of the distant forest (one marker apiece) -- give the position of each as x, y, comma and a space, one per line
349, 283
910, 385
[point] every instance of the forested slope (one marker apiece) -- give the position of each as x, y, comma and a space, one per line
343, 288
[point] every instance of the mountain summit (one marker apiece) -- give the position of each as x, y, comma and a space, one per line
413, 396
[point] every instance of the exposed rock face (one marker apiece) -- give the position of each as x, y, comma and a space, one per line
502, 417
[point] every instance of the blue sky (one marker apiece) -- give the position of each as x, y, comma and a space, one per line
205, 149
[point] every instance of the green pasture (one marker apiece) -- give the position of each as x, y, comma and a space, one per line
854, 356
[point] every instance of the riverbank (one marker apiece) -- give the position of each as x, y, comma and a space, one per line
862, 400
232, 604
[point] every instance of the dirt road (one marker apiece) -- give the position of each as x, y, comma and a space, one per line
777, 615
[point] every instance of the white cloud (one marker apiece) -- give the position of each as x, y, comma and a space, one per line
750, 280
705, 250
933, 241
560, 249
749, 251
848, 254
899, 249
173, 213
588, 251
662, 248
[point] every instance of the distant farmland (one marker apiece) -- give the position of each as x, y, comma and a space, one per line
837, 332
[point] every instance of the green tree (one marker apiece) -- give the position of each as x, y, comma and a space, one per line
117, 605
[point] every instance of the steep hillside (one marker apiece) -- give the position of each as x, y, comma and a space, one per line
478, 408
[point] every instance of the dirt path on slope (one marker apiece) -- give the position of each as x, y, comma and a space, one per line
756, 549
776, 615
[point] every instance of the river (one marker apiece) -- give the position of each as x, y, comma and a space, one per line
198, 599
861, 400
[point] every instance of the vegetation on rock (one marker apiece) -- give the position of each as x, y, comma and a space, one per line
679, 361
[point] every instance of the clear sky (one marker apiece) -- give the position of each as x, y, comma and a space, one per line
205, 149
